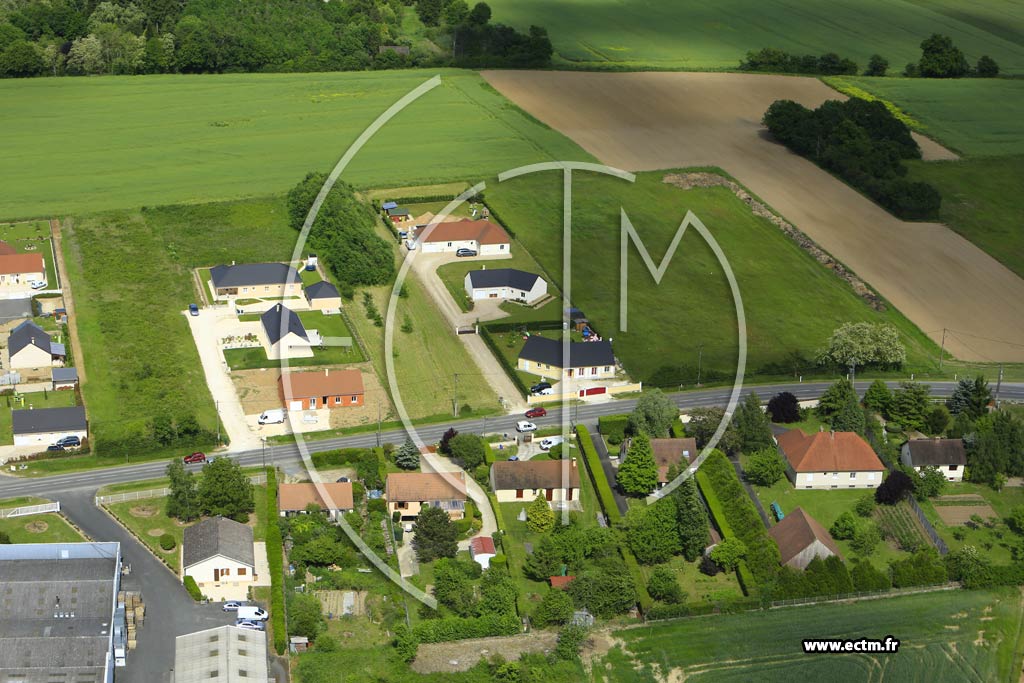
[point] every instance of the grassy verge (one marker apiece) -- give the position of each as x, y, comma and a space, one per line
147, 521
46, 528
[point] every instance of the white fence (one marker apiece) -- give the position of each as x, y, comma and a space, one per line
29, 510
156, 493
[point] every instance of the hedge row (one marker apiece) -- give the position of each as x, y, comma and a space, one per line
462, 628
613, 427
743, 573
593, 462
763, 557
533, 325
506, 366
678, 430
415, 199
193, 588
701, 608
275, 560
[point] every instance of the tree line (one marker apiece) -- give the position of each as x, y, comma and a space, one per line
862, 143
86, 37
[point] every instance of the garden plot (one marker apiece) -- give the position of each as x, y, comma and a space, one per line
958, 510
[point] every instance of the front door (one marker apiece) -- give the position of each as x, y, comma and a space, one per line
312, 403
216, 575
550, 493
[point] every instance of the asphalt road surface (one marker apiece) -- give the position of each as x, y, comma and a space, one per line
287, 455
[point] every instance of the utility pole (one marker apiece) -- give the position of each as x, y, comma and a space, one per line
455, 396
378, 423
264, 440
700, 359
217, 407
942, 348
999, 384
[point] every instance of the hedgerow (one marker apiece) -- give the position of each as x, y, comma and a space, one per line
462, 628
275, 562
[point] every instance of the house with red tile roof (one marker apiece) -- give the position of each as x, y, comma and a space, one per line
830, 460
801, 539
483, 237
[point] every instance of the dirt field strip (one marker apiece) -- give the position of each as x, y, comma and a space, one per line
650, 121
69, 300
959, 515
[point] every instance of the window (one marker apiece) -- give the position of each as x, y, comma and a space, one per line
954, 468
403, 506
337, 400
593, 371
225, 572
242, 571
355, 399
449, 244
853, 475
607, 368
502, 247
266, 289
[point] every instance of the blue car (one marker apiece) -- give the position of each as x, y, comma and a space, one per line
193, 309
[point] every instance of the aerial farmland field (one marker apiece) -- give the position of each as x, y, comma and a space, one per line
86, 144
688, 34
945, 636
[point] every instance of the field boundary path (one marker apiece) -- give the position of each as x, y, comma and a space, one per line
69, 299
650, 121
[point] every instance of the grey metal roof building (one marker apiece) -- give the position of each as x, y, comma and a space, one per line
226, 654
503, 277
218, 536
321, 290
581, 354
64, 374
47, 420
936, 452
59, 618
252, 274
279, 320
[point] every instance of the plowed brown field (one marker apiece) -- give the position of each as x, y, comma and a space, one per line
648, 121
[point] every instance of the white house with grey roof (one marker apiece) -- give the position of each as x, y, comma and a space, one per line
45, 426
505, 284
226, 654
219, 553
587, 360
283, 335
254, 281
29, 346
59, 615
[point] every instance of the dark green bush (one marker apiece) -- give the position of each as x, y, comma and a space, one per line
613, 427
167, 542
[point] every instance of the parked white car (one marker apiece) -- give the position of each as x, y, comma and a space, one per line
37, 284
525, 426
550, 442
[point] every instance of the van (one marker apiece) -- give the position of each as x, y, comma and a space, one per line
251, 613
272, 417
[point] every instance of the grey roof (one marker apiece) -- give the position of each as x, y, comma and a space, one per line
398, 211
38, 647
581, 354
65, 374
321, 290
272, 323
924, 452
503, 277
218, 536
57, 349
26, 334
45, 420
251, 274
389, 205
226, 654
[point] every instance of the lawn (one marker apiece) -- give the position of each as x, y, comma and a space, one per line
37, 399
696, 35
792, 303
972, 116
326, 325
139, 353
945, 636
154, 140
825, 506
47, 528
700, 588
812, 423
29, 237
453, 275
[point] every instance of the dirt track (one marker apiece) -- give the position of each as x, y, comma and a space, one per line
648, 121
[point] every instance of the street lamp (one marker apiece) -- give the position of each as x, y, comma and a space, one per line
264, 440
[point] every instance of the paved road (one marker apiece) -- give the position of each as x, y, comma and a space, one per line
287, 455
165, 618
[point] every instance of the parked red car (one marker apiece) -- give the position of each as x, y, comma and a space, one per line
194, 458
536, 412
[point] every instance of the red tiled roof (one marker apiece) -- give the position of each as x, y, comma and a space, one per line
327, 383
561, 581
481, 545
298, 496
829, 452
797, 531
484, 232
668, 452
21, 263
415, 487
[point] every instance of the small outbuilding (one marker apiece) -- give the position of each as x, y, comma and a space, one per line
64, 378
323, 296
481, 549
801, 539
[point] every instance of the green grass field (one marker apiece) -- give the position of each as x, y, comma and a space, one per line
974, 117
693, 35
792, 303
76, 145
946, 636
47, 528
981, 200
